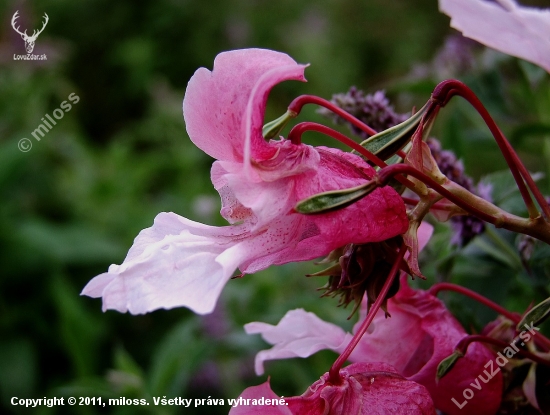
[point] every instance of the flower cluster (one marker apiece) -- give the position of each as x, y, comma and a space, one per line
287, 201
178, 262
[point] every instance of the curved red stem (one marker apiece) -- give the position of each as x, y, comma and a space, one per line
295, 136
444, 92
334, 373
447, 286
543, 342
463, 344
302, 100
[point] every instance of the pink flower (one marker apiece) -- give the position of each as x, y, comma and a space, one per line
366, 388
419, 334
178, 262
503, 25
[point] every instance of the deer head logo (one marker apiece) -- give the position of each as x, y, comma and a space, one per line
29, 40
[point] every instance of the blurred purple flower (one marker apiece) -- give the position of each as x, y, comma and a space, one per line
373, 109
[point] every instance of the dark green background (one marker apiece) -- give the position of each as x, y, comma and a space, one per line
73, 204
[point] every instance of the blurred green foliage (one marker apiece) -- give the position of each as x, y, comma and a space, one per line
73, 204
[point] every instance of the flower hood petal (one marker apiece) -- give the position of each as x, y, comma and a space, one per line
224, 108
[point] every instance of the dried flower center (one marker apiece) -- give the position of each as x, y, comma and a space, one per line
360, 269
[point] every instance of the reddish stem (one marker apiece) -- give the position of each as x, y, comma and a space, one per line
334, 373
387, 173
410, 201
447, 286
295, 136
444, 92
463, 344
543, 342
302, 100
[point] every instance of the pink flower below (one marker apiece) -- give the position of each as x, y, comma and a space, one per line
366, 388
419, 334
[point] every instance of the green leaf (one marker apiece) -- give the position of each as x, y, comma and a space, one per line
536, 315
386, 143
447, 364
180, 353
333, 200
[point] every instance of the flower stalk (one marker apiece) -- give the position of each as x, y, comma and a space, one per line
449, 88
536, 227
463, 344
334, 373
540, 339
297, 104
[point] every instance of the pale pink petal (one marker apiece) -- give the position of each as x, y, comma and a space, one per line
290, 160
232, 209
298, 334
424, 233
503, 25
224, 109
175, 263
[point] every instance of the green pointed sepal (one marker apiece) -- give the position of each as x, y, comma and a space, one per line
335, 199
536, 315
274, 128
386, 143
447, 364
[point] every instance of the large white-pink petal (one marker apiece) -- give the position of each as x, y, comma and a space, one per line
503, 25
298, 334
176, 262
